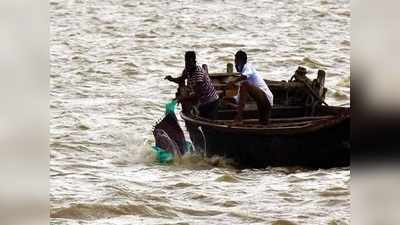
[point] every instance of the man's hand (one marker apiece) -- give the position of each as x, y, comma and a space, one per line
179, 98
230, 84
192, 99
168, 78
235, 81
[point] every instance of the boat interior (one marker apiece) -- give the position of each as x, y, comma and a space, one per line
281, 113
298, 100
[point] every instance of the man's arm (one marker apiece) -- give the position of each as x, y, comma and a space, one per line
241, 78
179, 80
194, 97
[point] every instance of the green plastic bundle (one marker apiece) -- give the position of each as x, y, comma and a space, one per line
170, 107
170, 124
162, 155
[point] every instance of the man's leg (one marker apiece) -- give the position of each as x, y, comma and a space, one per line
209, 110
263, 105
264, 110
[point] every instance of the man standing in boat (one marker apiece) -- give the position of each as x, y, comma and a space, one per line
200, 84
253, 85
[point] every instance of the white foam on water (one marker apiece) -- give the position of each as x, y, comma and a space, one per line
137, 150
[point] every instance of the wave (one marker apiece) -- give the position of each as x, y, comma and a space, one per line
94, 211
98, 211
137, 150
313, 63
282, 222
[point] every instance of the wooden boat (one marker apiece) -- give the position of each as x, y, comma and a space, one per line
303, 129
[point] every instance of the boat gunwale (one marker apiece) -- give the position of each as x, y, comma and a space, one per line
311, 126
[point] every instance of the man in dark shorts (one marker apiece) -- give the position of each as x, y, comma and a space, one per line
253, 85
200, 84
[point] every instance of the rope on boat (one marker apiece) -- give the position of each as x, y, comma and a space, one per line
315, 95
204, 138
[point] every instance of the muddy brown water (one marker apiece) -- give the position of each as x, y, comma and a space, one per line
108, 59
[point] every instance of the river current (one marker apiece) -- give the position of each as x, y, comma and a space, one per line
108, 60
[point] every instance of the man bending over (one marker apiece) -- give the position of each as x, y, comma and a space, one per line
253, 85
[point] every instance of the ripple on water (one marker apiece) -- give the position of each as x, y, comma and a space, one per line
313, 63
246, 217
334, 193
227, 178
181, 185
337, 222
108, 60
197, 212
226, 45
229, 203
331, 202
92, 211
283, 222
298, 179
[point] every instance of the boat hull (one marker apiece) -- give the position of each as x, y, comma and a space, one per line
323, 147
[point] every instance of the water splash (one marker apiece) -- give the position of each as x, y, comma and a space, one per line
137, 150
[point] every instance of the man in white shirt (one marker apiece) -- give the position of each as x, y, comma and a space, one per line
252, 84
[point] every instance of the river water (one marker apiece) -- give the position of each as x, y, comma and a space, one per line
108, 59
